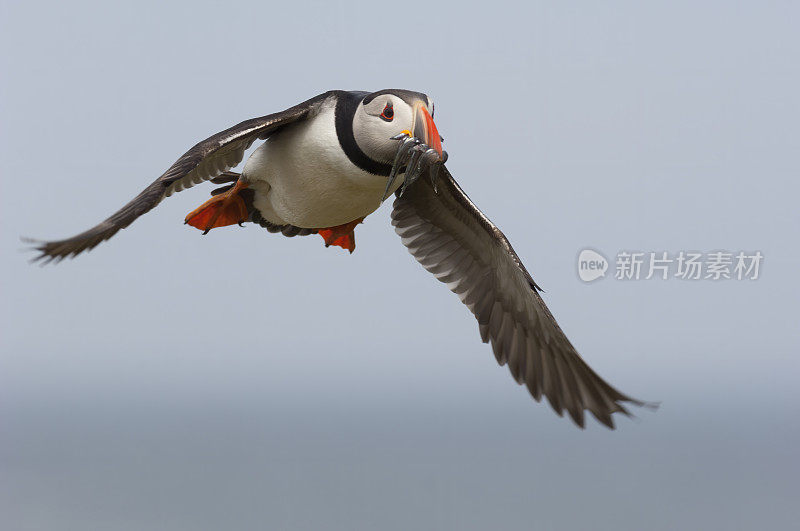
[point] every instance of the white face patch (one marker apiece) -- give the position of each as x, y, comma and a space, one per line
377, 122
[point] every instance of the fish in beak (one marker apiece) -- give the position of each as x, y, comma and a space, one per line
420, 153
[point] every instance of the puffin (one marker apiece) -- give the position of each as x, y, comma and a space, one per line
330, 161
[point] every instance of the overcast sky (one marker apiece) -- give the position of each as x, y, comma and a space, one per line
173, 381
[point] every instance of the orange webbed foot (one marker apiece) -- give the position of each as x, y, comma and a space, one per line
221, 210
343, 236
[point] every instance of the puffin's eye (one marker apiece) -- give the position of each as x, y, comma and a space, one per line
388, 112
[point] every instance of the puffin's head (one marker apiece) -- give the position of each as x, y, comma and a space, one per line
388, 113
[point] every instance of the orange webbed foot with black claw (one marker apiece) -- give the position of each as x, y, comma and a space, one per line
343, 236
228, 208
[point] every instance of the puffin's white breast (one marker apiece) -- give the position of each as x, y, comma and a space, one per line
302, 177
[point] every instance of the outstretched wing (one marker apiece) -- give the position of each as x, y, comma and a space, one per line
452, 239
203, 162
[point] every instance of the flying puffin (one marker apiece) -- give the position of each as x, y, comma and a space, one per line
332, 160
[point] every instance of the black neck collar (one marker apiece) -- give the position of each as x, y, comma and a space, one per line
346, 105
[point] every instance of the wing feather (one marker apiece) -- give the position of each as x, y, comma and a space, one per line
455, 241
203, 162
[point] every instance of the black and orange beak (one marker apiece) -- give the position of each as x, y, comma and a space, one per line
425, 129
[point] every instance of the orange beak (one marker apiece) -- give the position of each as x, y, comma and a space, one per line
425, 129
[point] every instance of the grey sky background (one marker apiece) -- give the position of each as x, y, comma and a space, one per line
245, 380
